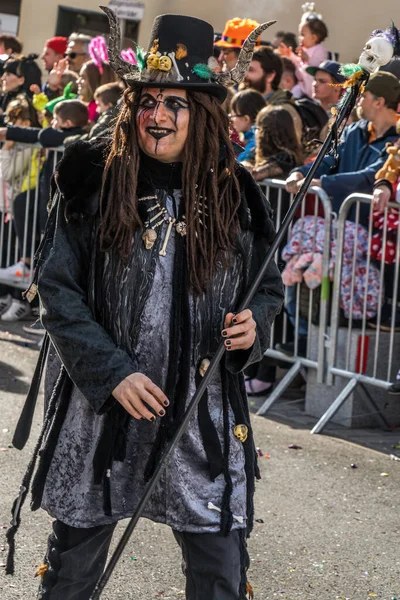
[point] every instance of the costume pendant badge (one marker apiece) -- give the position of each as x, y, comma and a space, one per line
149, 237
205, 363
181, 227
241, 432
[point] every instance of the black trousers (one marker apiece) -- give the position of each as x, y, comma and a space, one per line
76, 559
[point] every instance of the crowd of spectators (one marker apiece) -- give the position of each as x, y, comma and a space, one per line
278, 118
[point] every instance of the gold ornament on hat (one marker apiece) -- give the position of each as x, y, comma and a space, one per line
154, 47
241, 432
165, 63
153, 61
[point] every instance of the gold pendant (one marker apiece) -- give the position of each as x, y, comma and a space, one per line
149, 237
241, 432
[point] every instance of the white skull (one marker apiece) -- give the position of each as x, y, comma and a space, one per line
377, 52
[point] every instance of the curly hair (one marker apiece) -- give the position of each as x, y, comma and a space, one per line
276, 132
211, 235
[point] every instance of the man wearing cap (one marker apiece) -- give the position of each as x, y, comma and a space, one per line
326, 84
362, 149
53, 51
154, 235
232, 39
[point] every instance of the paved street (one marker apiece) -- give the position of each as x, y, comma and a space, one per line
324, 531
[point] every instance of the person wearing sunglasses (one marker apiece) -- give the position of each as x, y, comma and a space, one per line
77, 52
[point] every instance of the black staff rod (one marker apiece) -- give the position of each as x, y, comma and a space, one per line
343, 114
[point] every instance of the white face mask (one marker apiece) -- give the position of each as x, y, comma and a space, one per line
377, 52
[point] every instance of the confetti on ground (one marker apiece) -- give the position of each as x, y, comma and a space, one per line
384, 474
394, 457
295, 447
267, 456
260, 452
353, 466
133, 558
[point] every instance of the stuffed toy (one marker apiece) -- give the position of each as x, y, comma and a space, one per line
391, 169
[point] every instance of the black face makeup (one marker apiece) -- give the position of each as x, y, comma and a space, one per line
162, 121
171, 102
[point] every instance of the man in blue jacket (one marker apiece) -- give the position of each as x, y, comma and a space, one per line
362, 150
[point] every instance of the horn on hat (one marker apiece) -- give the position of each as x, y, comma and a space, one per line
125, 70
237, 74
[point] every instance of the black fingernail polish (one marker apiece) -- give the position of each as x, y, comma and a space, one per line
166, 403
224, 333
228, 342
152, 419
161, 413
234, 321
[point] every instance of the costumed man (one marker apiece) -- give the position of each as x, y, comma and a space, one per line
152, 239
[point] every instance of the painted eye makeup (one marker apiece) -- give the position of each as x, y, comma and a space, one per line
175, 103
147, 102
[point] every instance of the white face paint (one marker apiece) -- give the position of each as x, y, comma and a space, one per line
377, 52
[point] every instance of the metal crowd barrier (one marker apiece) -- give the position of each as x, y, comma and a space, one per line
365, 361
24, 176
280, 200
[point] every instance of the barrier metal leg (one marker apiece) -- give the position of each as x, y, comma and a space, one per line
374, 409
334, 407
280, 388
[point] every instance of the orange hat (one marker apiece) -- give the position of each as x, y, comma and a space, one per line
236, 32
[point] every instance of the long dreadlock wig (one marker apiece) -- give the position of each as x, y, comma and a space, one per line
208, 178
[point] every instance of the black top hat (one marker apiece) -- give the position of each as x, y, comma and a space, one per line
180, 54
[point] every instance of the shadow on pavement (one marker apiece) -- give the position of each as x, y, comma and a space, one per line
9, 380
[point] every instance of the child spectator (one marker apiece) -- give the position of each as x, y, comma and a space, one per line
70, 120
310, 52
289, 78
106, 97
277, 148
245, 107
